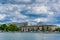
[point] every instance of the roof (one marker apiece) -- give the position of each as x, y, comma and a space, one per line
40, 25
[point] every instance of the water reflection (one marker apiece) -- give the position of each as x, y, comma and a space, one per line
44, 36
29, 36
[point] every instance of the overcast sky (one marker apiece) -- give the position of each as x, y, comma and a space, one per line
32, 11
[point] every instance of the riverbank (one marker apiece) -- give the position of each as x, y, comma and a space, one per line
34, 32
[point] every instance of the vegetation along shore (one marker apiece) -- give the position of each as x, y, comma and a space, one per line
14, 28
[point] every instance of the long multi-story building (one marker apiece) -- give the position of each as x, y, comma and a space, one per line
38, 28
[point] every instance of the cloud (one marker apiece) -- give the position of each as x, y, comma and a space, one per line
10, 7
41, 1
38, 10
2, 16
19, 15
17, 1
22, 0
47, 1
12, 11
41, 19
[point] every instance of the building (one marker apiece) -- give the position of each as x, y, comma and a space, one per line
38, 28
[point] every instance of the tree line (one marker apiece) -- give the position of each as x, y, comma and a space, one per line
13, 27
6, 28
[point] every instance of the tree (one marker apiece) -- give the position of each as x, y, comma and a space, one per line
19, 28
12, 27
43, 28
3, 27
57, 29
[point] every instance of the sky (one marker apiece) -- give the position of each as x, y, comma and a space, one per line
31, 11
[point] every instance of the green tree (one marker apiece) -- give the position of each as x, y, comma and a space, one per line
12, 27
43, 28
57, 29
19, 28
3, 27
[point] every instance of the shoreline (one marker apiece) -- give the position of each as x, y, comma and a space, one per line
33, 32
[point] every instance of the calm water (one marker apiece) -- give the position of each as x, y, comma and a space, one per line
29, 36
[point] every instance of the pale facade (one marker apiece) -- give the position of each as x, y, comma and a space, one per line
38, 28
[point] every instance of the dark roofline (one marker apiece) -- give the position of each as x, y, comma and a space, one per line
40, 25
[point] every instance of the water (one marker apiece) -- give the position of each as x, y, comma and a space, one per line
29, 36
